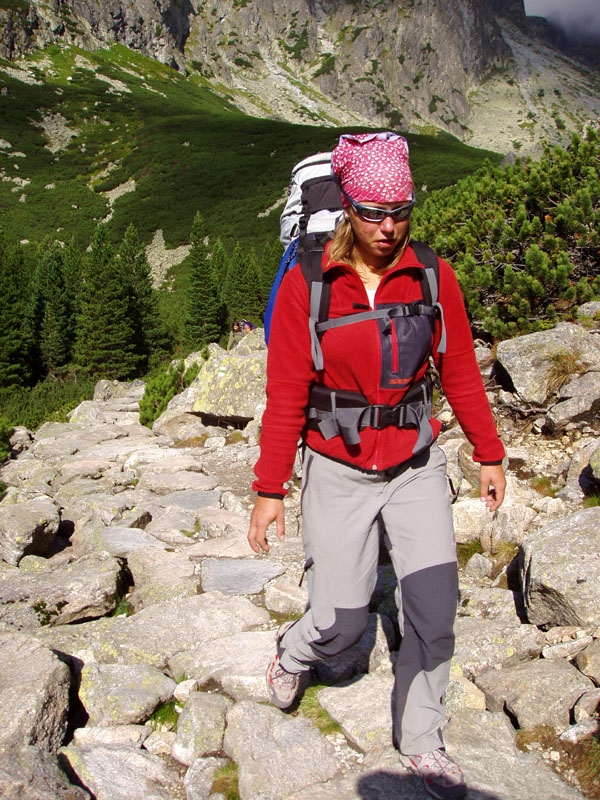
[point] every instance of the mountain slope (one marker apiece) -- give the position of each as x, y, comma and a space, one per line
474, 69
113, 135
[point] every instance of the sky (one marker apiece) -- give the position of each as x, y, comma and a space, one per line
579, 18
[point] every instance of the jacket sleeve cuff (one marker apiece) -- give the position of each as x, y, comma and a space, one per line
271, 495
491, 463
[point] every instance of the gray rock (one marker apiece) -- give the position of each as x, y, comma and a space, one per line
34, 694
494, 768
110, 390
285, 597
189, 500
199, 778
163, 483
201, 727
535, 693
67, 593
485, 644
92, 535
169, 522
122, 773
274, 751
381, 777
28, 472
169, 627
595, 463
28, 525
559, 571
363, 709
238, 576
121, 735
478, 566
528, 359
473, 522
160, 575
117, 694
587, 706
231, 384
29, 773
155, 634
579, 409
580, 731
588, 661
491, 603
237, 664
579, 478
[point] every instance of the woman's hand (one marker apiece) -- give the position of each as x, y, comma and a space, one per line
266, 510
492, 485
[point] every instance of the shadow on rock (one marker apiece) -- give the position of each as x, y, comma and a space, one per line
383, 785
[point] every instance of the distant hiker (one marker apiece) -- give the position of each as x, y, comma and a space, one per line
235, 334
352, 384
246, 326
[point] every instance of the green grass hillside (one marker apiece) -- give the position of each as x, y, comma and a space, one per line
123, 117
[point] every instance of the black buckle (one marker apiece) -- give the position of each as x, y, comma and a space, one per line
376, 415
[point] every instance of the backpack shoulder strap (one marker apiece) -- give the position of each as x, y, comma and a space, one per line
430, 261
319, 291
430, 285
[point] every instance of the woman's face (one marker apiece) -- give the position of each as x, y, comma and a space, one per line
377, 243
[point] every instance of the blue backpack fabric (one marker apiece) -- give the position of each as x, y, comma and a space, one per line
287, 260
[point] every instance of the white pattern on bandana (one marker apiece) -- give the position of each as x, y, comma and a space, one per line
373, 167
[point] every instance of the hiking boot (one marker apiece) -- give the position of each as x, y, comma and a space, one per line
442, 777
282, 685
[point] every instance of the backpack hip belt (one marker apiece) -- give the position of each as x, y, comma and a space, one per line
337, 412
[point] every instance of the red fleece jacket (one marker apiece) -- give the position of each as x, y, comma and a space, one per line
353, 360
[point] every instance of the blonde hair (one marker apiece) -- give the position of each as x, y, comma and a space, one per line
343, 243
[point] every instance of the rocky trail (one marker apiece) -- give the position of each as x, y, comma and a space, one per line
127, 590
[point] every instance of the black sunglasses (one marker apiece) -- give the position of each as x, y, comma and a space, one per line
370, 214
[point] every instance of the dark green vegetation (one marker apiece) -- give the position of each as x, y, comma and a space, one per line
524, 240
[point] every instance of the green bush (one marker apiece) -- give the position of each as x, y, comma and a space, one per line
6, 430
523, 240
162, 388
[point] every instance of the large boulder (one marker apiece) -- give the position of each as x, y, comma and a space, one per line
34, 694
531, 360
559, 571
28, 525
231, 384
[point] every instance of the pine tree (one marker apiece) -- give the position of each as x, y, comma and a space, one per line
233, 294
202, 321
105, 341
50, 311
152, 341
251, 289
72, 260
15, 330
218, 266
271, 256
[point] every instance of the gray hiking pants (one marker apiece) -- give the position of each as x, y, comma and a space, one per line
339, 508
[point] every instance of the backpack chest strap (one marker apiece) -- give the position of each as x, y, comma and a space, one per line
386, 314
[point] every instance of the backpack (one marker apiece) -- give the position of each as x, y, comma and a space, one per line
308, 221
312, 210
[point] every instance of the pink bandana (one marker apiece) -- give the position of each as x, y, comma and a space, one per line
373, 167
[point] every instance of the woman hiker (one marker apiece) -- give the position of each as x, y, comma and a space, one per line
369, 455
